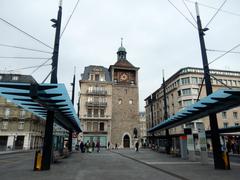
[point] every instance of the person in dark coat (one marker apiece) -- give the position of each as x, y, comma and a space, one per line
137, 146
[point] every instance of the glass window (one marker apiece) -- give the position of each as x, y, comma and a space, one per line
95, 126
224, 115
4, 124
187, 102
15, 78
179, 93
92, 77
195, 91
95, 112
96, 77
102, 112
89, 112
194, 80
22, 114
186, 91
235, 115
0, 77
7, 113
89, 124
21, 125
185, 81
225, 125
101, 126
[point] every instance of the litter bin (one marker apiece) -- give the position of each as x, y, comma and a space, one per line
225, 157
38, 161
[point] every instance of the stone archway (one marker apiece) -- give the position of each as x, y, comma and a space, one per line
126, 141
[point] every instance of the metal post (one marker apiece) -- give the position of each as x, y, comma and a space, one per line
168, 138
48, 138
70, 132
216, 145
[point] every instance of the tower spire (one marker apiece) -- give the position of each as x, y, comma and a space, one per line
121, 42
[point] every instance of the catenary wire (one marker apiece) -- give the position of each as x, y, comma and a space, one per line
69, 18
41, 65
182, 14
29, 67
224, 54
189, 11
211, 7
25, 33
216, 13
24, 48
15, 57
220, 51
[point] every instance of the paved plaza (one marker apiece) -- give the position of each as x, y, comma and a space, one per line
115, 164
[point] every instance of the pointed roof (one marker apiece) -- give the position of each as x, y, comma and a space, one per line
124, 63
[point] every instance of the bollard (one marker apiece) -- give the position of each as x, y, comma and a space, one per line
38, 161
225, 157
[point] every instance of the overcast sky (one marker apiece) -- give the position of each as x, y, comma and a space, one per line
156, 36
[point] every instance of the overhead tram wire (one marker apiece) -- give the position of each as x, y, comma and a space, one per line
182, 14
41, 65
29, 67
224, 54
69, 18
25, 33
189, 11
211, 7
6, 57
221, 51
216, 13
24, 48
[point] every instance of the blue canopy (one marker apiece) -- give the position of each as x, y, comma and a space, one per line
218, 101
39, 98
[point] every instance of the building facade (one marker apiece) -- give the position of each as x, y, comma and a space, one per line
183, 89
96, 104
19, 129
109, 104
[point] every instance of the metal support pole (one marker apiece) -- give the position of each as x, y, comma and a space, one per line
47, 144
216, 145
168, 138
48, 138
70, 141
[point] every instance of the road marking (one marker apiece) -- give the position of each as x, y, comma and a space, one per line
171, 162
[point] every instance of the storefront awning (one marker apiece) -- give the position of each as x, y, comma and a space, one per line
218, 101
38, 98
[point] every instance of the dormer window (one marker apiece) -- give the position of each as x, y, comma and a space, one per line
15, 78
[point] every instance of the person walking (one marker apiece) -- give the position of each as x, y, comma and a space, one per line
108, 145
98, 146
137, 146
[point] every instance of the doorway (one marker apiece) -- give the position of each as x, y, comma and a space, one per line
126, 141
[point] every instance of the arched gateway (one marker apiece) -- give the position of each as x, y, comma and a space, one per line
126, 141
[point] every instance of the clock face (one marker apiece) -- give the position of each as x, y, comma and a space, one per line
123, 77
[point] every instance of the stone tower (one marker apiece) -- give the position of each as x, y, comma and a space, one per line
125, 103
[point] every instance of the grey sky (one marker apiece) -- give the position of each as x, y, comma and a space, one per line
155, 36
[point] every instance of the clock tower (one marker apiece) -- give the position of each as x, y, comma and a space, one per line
125, 103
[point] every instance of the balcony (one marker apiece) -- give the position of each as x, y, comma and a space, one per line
99, 104
97, 92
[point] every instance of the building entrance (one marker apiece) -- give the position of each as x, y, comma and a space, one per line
126, 141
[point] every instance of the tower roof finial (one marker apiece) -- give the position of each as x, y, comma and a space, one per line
121, 42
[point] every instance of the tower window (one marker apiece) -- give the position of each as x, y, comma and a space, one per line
119, 101
130, 101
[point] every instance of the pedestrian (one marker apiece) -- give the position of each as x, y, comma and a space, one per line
116, 146
82, 147
137, 146
108, 145
98, 146
93, 145
87, 146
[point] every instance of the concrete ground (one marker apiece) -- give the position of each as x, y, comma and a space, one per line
123, 164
